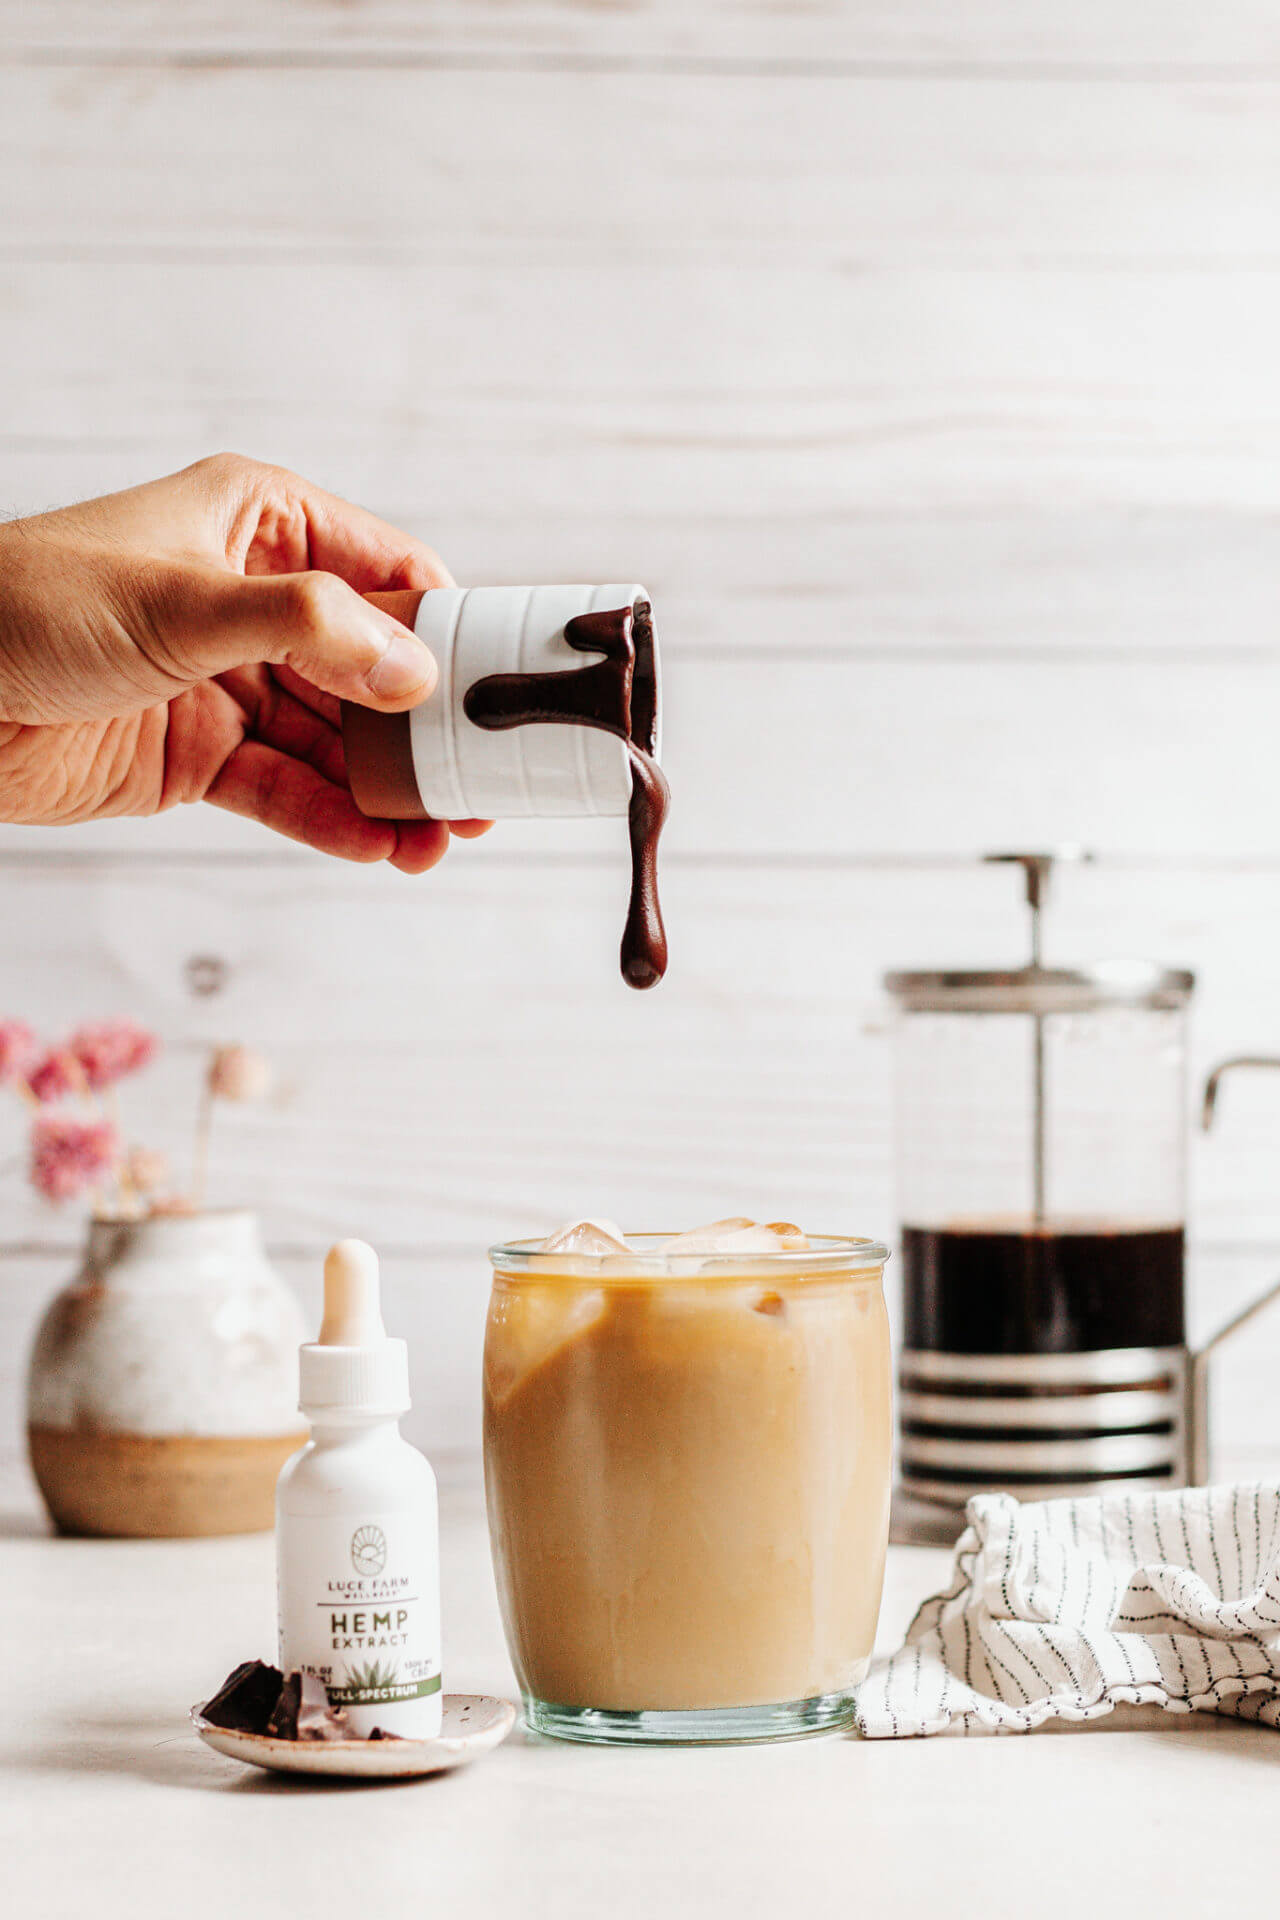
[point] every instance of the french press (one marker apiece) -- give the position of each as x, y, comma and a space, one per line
1041, 1152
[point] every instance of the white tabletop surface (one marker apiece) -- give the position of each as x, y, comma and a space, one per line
111, 1807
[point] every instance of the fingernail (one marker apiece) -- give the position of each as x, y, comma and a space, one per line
406, 667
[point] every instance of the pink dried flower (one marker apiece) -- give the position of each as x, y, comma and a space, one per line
238, 1073
18, 1049
57, 1075
68, 1155
110, 1049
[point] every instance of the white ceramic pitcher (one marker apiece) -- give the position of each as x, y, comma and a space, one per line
162, 1392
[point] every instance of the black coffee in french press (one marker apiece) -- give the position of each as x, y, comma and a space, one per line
1041, 1159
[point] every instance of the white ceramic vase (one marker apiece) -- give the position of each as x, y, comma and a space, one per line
163, 1386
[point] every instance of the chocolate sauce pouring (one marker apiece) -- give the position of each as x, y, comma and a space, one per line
618, 694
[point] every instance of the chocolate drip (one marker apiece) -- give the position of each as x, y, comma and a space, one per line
617, 694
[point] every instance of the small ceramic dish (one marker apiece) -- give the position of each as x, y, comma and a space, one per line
472, 1724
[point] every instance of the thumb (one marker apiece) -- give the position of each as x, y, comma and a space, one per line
323, 629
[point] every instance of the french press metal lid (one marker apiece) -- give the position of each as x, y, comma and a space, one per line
1041, 992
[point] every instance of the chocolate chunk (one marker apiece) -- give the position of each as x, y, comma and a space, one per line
303, 1712
283, 1723
246, 1698
378, 1734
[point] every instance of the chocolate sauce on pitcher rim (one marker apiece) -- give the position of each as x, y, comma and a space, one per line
604, 695
617, 694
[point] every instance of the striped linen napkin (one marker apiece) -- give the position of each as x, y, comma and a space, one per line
1064, 1609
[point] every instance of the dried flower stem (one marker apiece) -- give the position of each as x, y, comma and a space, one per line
81, 1081
200, 1157
127, 1198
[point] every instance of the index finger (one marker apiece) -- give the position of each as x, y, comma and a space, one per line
277, 522
369, 554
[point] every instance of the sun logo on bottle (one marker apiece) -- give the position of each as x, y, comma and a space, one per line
368, 1550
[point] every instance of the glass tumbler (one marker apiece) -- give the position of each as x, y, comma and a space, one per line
687, 1466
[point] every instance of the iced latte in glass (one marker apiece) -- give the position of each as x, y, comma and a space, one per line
687, 1464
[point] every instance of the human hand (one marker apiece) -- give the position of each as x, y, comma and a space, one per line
190, 639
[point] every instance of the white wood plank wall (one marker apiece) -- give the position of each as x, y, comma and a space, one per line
925, 362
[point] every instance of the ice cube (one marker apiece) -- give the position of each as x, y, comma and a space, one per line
737, 1235
753, 1239
790, 1238
587, 1237
702, 1239
530, 1325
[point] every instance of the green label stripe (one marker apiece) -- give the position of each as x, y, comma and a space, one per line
383, 1696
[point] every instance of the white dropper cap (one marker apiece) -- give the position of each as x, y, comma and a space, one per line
353, 1367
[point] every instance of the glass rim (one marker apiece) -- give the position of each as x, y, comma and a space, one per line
826, 1253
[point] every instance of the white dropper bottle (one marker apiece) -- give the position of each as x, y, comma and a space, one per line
357, 1548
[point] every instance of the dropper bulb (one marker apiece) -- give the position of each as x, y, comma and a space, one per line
352, 1304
